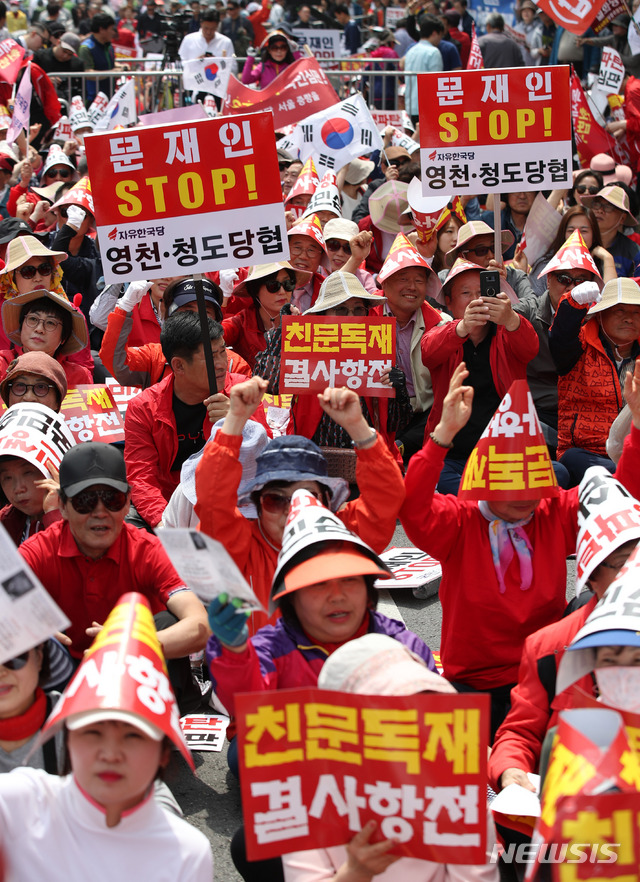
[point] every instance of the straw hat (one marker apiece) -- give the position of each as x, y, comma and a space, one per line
261, 272
11, 310
617, 291
470, 231
337, 289
24, 247
387, 206
614, 196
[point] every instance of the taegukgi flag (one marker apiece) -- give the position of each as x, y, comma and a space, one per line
337, 135
207, 75
121, 110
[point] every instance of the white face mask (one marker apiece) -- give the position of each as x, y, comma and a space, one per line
619, 687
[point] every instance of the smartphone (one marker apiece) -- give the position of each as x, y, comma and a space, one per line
489, 283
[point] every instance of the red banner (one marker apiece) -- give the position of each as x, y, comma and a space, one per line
91, 414
11, 55
300, 90
475, 62
572, 15
591, 137
610, 9
321, 351
317, 765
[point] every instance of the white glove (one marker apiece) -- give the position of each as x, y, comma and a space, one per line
228, 278
133, 295
75, 216
586, 294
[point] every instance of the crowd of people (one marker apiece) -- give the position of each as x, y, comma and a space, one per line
511, 429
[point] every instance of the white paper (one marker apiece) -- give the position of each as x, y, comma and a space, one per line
517, 800
206, 567
411, 568
543, 222
204, 731
28, 615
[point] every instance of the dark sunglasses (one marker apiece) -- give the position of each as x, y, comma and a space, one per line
402, 160
87, 500
275, 285
29, 271
337, 245
480, 250
582, 188
276, 503
63, 173
278, 46
40, 390
566, 280
17, 663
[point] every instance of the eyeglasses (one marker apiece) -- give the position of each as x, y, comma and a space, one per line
17, 663
567, 280
40, 390
582, 188
87, 500
338, 245
342, 311
276, 503
480, 250
29, 271
63, 173
604, 207
275, 285
34, 321
299, 250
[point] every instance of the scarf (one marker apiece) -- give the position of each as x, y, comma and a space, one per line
27, 724
506, 539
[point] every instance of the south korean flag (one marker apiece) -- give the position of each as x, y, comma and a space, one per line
207, 75
338, 134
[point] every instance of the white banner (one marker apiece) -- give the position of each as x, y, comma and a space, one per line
21, 107
35, 433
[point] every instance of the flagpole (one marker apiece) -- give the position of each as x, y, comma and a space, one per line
206, 339
497, 231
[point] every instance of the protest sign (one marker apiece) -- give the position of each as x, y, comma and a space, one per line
124, 53
411, 568
121, 395
302, 86
21, 108
35, 433
324, 44
609, 10
207, 75
334, 137
323, 351
121, 109
11, 55
495, 131
476, 61
384, 118
204, 731
206, 566
98, 108
572, 15
540, 229
188, 197
591, 137
392, 16
612, 72
317, 765
174, 114
28, 616
91, 414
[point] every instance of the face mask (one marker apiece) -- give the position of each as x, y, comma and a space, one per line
619, 687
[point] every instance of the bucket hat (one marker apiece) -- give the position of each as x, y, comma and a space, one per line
11, 309
617, 197
470, 231
337, 289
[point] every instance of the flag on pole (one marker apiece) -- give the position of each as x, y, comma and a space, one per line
475, 61
207, 75
121, 110
21, 108
337, 135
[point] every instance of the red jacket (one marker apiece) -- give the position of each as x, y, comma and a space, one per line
509, 354
151, 446
244, 331
372, 516
376, 256
534, 704
483, 631
146, 327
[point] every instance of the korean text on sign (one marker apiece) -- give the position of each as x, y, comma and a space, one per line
316, 766
495, 130
188, 197
323, 351
91, 414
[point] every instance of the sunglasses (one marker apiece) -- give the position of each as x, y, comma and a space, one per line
338, 245
63, 173
40, 390
582, 188
480, 250
277, 503
275, 285
87, 500
17, 663
29, 271
358, 311
278, 46
566, 280
396, 163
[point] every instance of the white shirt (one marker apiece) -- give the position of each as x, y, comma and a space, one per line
195, 46
50, 830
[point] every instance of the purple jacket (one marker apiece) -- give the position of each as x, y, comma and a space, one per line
265, 72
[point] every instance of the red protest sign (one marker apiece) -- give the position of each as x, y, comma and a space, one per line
471, 121
91, 414
323, 351
572, 15
591, 137
11, 55
187, 197
300, 90
317, 765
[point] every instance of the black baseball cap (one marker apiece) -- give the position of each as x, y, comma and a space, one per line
92, 463
180, 293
